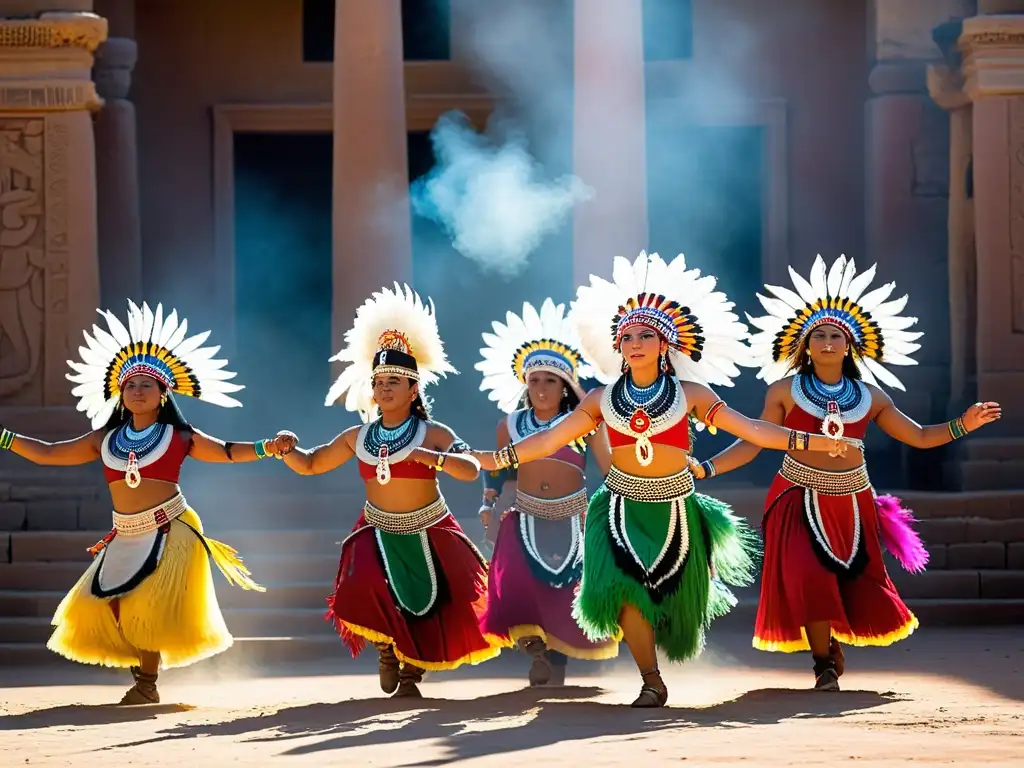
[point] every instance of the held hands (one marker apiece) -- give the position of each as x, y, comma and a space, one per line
980, 414
282, 444
835, 448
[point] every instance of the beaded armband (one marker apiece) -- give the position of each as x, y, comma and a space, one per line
261, 450
709, 417
506, 457
709, 468
798, 441
957, 429
6, 439
439, 464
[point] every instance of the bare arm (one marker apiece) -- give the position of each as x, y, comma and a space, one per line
215, 451
456, 463
601, 449
901, 427
761, 433
66, 453
741, 452
323, 458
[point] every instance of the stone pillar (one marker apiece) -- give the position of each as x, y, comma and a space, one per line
371, 214
49, 273
945, 86
993, 67
609, 142
117, 176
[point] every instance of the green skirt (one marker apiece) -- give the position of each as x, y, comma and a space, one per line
669, 559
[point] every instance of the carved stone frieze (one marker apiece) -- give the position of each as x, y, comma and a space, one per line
993, 55
54, 30
22, 258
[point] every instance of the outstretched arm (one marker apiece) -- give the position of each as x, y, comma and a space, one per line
901, 427
741, 452
66, 453
761, 433
447, 454
323, 458
212, 450
542, 444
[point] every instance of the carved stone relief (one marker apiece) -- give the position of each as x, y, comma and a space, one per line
22, 254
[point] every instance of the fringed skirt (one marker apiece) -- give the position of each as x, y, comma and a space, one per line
536, 566
670, 557
414, 581
823, 537
149, 591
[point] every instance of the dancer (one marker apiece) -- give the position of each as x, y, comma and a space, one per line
410, 581
532, 368
654, 550
824, 581
147, 601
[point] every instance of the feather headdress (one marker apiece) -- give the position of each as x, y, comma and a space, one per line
706, 338
152, 344
394, 332
838, 296
533, 341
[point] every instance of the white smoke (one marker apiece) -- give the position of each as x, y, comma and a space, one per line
493, 200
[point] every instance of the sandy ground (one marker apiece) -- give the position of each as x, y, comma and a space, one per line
943, 697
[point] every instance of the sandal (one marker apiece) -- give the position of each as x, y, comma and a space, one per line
408, 678
540, 669
143, 692
651, 695
836, 651
826, 678
387, 667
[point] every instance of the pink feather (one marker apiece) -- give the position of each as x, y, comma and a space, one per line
898, 535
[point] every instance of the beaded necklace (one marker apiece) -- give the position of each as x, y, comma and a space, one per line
643, 411
844, 402
127, 445
386, 443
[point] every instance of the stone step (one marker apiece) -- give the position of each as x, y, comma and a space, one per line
985, 474
992, 449
959, 584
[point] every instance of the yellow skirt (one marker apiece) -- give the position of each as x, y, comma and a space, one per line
173, 611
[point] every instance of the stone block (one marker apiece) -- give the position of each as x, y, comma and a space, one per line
1002, 585
973, 555
12, 516
5, 548
95, 515
52, 492
1004, 531
5, 491
1015, 556
52, 515
952, 531
25, 629
53, 546
35, 603
39, 576
936, 584
936, 556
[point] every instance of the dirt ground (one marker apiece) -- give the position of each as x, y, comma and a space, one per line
942, 697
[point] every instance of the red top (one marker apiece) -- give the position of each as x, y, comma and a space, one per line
677, 436
166, 466
801, 420
404, 470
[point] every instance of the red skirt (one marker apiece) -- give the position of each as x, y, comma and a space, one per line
442, 631
823, 562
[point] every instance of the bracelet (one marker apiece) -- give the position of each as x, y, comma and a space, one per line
489, 503
506, 457
261, 449
709, 417
956, 429
709, 468
6, 439
799, 441
441, 459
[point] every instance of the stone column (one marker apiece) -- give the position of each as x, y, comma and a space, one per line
117, 176
945, 86
371, 214
49, 272
993, 67
609, 143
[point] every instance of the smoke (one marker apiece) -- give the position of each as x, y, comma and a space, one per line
494, 200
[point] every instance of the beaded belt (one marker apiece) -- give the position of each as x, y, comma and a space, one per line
406, 522
824, 481
677, 486
151, 519
561, 508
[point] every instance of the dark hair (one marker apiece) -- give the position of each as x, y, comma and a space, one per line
568, 402
421, 407
168, 413
802, 364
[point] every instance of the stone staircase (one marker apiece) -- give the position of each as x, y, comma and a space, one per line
988, 463
976, 575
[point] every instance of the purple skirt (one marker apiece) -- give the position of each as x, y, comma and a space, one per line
533, 577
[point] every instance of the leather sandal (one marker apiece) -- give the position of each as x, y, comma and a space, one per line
654, 692
540, 669
825, 676
409, 677
143, 692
